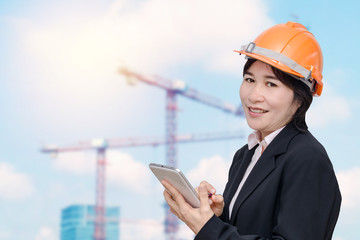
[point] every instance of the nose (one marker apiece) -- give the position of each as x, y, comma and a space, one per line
256, 94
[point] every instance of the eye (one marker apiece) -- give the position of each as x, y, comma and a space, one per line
271, 84
249, 80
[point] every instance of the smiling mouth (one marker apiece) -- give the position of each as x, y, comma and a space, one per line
257, 110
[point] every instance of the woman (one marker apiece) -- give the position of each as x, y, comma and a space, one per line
281, 185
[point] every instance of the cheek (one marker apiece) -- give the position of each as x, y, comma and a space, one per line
294, 107
242, 92
289, 106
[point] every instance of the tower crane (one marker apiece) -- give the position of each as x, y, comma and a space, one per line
174, 88
101, 145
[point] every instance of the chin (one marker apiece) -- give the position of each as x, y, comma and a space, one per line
254, 126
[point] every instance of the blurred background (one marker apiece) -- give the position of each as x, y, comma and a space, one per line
60, 85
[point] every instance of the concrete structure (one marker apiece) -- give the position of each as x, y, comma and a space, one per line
77, 223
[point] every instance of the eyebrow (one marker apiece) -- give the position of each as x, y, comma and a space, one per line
266, 76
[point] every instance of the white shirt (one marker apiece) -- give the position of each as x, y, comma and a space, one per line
253, 139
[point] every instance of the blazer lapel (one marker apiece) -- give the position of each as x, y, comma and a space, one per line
238, 177
260, 172
265, 165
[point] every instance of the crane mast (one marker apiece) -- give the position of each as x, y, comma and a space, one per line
174, 88
101, 145
100, 208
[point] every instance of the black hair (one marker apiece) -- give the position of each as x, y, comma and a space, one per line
302, 94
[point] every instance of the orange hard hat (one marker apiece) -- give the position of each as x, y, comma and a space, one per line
291, 48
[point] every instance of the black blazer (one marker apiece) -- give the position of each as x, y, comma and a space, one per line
292, 193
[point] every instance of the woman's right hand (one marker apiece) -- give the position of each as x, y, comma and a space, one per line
216, 200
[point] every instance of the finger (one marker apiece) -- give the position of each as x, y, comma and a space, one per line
217, 201
204, 197
176, 195
167, 196
210, 188
218, 198
217, 204
174, 208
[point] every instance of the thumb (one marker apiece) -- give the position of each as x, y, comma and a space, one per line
217, 199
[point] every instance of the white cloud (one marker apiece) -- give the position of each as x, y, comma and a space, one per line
46, 233
121, 169
124, 171
5, 235
14, 185
329, 108
185, 232
152, 36
72, 59
149, 229
75, 162
349, 182
214, 170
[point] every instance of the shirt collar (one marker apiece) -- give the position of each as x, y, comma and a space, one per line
254, 138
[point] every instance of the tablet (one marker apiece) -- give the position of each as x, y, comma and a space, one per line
176, 178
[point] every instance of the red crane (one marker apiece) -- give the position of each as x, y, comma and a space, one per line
101, 145
174, 88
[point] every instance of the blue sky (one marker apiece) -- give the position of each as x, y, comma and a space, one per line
59, 85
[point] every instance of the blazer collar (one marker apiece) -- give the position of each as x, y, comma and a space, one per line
265, 165
281, 142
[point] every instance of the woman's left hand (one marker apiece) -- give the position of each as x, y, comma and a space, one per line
194, 218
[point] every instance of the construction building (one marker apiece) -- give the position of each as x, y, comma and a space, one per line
77, 222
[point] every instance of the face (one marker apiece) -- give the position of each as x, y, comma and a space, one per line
267, 102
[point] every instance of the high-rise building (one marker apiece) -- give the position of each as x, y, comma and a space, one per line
77, 223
